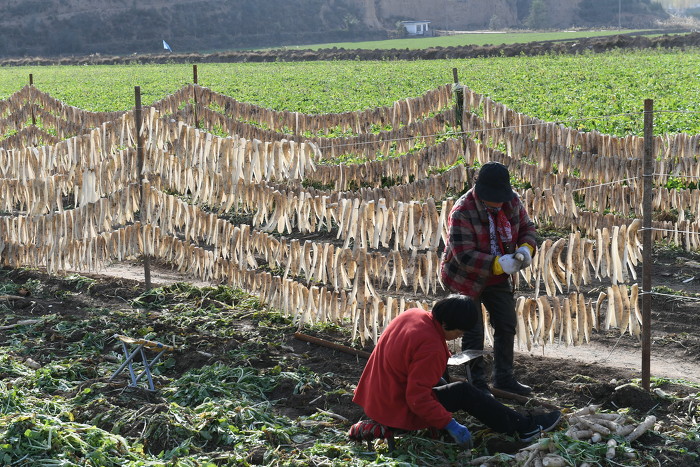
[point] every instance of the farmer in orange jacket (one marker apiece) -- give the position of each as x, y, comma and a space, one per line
399, 387
490, 238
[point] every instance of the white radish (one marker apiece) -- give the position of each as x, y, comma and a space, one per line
612, 444
642, 428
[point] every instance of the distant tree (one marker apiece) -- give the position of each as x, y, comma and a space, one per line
523, 9
399, 31
606, 12
597, 12
496, 23
539, 15
350, 22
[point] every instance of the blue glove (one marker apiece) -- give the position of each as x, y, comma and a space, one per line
460, 434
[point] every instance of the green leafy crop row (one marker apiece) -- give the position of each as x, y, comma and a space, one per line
604, 91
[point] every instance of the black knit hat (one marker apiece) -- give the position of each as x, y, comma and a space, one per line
493, 183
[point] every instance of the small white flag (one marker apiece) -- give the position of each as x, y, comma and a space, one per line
166, 46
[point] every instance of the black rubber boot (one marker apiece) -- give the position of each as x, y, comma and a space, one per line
503, 377
476, 369
478, 379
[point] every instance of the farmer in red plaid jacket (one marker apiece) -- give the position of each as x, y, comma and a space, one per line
490, 238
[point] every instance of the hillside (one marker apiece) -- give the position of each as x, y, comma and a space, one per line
51, 28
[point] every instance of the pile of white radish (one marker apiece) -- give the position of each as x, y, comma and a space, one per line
586, 424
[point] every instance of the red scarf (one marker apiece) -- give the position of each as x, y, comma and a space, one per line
499, 229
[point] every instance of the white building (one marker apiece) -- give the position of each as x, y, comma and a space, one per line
417, 28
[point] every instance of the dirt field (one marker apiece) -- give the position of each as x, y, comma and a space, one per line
676, 323
568, 377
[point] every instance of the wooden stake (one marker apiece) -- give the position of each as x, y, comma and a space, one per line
459, 98
459, 110
31, 102
140, 163
194, 91
648, 168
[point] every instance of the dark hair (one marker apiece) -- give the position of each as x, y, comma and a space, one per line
456, 312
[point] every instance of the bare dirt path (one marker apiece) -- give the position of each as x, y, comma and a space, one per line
663, 363
606, 352
159, 275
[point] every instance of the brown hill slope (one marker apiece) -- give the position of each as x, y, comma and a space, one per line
60, 27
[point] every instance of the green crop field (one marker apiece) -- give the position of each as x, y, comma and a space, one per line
591, 91
471, 38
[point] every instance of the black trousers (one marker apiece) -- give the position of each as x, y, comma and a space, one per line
463, 396
500, 303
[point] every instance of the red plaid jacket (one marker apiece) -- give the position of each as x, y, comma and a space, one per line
467, 259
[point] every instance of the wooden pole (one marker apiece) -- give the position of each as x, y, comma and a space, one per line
522, 399
648, 168
31, 102
140, 163
194, 91
500, 393
459, 120
331, 345
459, 97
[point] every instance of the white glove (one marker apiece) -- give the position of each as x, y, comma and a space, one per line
527, 257
509, 264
